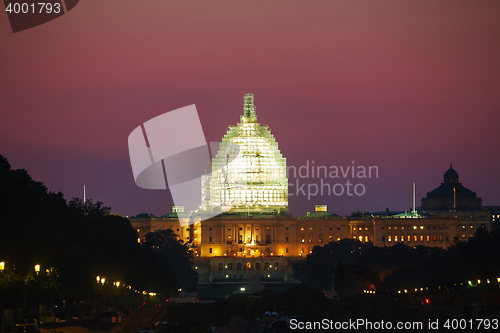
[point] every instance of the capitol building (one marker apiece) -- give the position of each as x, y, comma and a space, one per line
255, 239
251, 179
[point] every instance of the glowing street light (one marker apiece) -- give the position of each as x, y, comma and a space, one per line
2, 266
98, 278
103, 280
37, 269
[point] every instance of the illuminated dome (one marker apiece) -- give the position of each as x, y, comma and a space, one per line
253, 179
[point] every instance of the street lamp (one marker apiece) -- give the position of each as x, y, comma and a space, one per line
37, 269
2, 266
98, 278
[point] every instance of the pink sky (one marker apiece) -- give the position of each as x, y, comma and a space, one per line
408, 86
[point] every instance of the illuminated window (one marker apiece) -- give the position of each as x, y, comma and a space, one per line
302, 229
463, 235
338, 238
428, 238
360, 238
390, 228
267, 228
421, 238
463, 227
360, 228
389, 238
396, 238
414, 238
330, 238
366, 239
248, 228
440, 238
310, 228
395, 228
471, 227
434, 238
422, 227
471, 234
366, 228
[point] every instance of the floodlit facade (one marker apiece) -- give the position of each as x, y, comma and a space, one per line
251, 180
232, 249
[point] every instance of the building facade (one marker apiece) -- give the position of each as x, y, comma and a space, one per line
236, 248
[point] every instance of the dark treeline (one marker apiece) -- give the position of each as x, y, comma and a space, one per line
401, 266
76, 242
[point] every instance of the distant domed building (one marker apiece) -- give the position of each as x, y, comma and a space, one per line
251, 180
451, 195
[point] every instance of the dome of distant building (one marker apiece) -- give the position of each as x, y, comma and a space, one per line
254, 178
450, 176
451, 195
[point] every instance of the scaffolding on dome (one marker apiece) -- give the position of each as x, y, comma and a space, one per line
251, 180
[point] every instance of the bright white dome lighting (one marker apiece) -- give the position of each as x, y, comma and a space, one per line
253, 179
